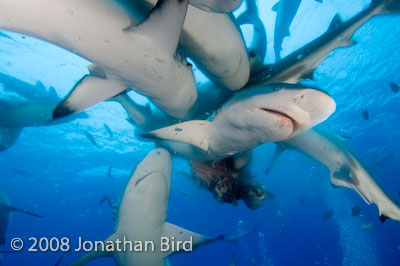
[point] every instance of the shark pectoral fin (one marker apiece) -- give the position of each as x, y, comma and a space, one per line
181, 234
164, 24
280, 148
89, 91
8, 136
92, 255
193, 132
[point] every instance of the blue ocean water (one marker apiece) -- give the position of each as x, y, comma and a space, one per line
64, 176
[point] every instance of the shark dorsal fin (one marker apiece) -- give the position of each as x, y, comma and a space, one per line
336, 22
164, 24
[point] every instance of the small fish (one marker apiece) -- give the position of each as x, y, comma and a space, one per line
395, 88
109, 172
188, 194
365, 114
20, 172
58, 262
91, 139
108, 129
367, 225
356, 210
107, 199
328, 214
253, 262
279, 213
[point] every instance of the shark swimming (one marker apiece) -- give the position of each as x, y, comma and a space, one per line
5, 211
251, 117
258, 47
285, 10
345, 169
18, 112
219, 52
301, 64
124, 54
142, 214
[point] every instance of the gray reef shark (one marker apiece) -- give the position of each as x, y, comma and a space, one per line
5, 212
17, 112
142, 215
345, 169
140, 57
146, 118
285, 10
258, 47
301, 64
213, 42
251, 117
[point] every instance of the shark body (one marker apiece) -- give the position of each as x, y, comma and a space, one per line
124, 55
142, 214
345, 169
250, 118
213, 42
301, 64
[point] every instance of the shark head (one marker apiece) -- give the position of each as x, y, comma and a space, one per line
148, 189
276, 111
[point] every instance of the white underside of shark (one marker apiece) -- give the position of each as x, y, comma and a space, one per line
101, 31
252, 117
142, 214
345, 169
213, 42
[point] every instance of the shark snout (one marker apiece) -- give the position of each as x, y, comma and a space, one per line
301, 108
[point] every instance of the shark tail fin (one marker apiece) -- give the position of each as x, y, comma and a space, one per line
13, 209
92, 255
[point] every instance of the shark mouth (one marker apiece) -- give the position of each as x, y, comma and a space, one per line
284, 118
144, 177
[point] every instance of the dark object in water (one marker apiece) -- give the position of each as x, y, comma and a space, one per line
108, 129
356, 210
229, 184
91, 139
328, 214
395, 88
365, 114
107, 199
20, 172
383, 218
58, 262
109, 172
